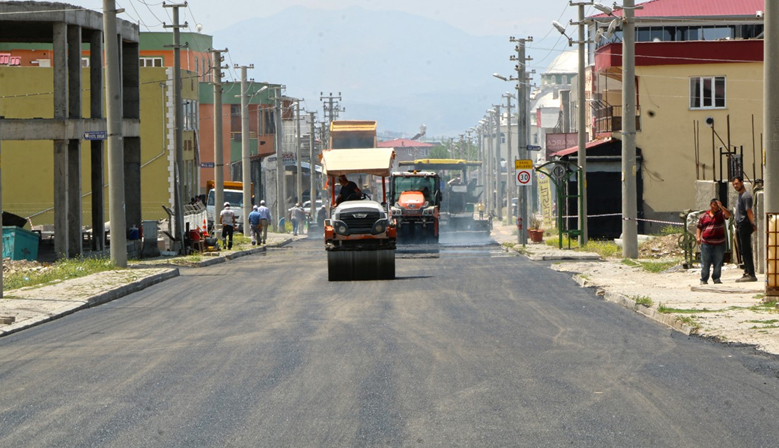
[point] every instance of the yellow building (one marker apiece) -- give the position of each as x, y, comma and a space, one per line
28, 166
699, 89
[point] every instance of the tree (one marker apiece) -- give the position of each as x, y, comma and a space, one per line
439, 152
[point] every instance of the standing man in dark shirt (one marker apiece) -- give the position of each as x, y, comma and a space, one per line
745, 226
349, 190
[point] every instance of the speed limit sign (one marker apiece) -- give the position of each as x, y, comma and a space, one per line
524, 177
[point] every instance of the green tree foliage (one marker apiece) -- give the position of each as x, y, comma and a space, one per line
439, 152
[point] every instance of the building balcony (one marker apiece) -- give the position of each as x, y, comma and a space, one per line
609, 119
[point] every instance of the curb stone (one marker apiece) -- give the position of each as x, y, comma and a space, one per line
626, 302
99, 299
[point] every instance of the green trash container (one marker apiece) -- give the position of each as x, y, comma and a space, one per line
20, 244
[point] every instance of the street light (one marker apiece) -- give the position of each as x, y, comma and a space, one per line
603, 8
561, 29
501, 77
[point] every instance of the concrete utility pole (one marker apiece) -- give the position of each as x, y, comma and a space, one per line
280, 198
179, 122
523, 92
311, 170
498, 193
490, 161
629, 208
581, 125
509, 162
218, 153
246, 172
468, 144
771, 116
331, 106
298, 155
115, 144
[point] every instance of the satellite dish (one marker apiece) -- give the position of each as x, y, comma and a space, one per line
598, 35
611, 29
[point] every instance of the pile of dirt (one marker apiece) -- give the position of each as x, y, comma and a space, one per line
661, 247
16, 266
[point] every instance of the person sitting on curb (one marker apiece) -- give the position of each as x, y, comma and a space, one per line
710, 236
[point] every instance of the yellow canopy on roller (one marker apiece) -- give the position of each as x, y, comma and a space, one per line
376, 161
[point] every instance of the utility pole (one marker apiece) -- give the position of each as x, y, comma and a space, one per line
299, 179
218, 155
115, 144
179, 122
311, 170
331, 106
522, 125
629, 208
281, 197
509, 165
246, 172
582, 129
468, 144
770, 122
490, 160
498, 193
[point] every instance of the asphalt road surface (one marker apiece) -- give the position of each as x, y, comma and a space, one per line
468, 347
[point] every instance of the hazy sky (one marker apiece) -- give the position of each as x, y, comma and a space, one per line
485, 17
520, 18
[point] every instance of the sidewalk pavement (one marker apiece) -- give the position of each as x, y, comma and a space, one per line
29, 306
730, 312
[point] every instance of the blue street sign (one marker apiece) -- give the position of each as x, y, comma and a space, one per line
206, 164
95, 135
533, 148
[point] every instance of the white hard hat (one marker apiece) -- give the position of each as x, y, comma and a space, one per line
227, 204
262, 202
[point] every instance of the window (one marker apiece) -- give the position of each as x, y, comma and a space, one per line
151, 62
707, 92
191, 115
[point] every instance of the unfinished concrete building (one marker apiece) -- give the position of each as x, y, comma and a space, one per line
74, 37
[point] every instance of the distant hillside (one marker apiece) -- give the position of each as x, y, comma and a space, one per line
399, 69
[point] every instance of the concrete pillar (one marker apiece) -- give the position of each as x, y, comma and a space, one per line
131, 78
60, 41
97, 166
74, 198
132, 181
131, 108
74, 146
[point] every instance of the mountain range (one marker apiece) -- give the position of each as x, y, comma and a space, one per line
396, 68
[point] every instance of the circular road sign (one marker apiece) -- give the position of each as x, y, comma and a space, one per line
524, 177
558, 172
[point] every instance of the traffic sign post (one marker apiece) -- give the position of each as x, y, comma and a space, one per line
524, 178
523, 164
